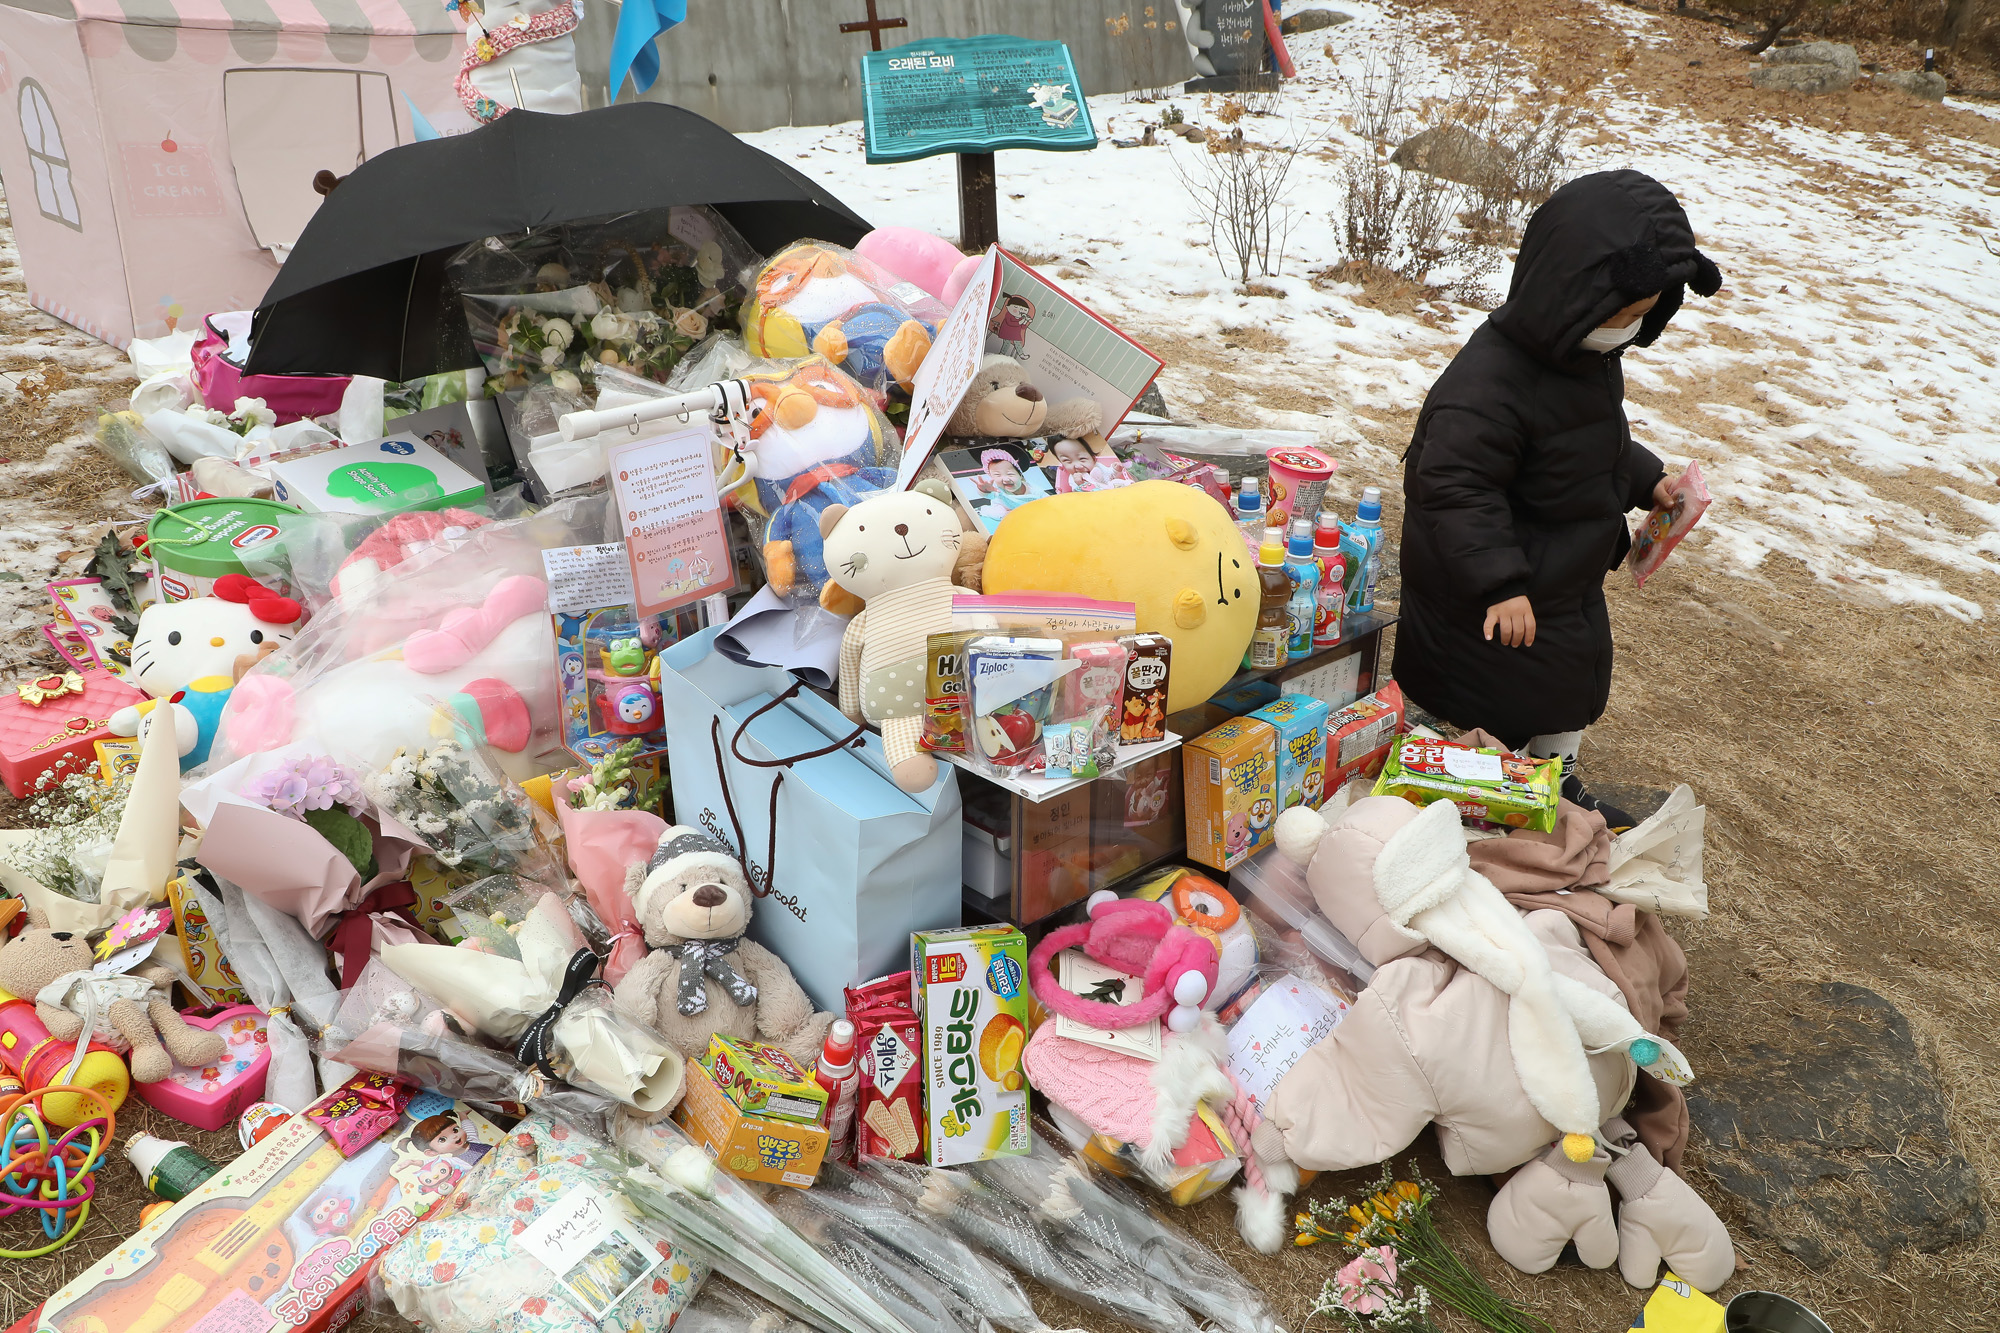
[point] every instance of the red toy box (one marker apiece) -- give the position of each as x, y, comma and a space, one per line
55, 722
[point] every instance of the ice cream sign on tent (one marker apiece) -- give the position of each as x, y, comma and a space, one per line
161, 158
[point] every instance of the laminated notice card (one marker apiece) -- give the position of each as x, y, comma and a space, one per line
675, 540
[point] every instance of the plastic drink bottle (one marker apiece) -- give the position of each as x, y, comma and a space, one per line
836, 1073
1361, 541
1250, 514
171, 1169
1303, 607
1274, 622
1331, 598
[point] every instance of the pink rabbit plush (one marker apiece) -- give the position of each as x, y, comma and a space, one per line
1139, 938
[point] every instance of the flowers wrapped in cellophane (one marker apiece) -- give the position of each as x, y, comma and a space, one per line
1013, 1234
1098, 1210
482, 1265
636, 291
548, 1006
673, 1181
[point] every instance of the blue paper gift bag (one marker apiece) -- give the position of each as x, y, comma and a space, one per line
846, 863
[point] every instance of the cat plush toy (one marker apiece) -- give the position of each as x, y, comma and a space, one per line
189, 655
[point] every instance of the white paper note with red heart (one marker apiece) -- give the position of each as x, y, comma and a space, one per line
1290, 1018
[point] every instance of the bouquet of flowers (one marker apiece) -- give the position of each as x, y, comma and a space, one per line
1401, 1264
473, 819
637, 292
75, 818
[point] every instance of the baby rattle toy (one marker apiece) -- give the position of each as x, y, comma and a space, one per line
54, 1177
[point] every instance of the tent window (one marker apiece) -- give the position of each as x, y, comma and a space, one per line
287, 124
54, 194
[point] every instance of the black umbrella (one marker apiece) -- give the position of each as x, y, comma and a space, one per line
364, 291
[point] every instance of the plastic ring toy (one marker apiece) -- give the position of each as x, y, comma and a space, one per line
1204, 904
53, 1177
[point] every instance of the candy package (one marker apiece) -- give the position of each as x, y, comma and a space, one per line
1668, 524
1490, 787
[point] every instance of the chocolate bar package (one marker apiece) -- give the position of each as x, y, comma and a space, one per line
1148, 665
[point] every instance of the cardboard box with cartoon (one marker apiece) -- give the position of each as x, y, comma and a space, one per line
1231, 777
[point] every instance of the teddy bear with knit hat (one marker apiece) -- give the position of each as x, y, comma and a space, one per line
705, 976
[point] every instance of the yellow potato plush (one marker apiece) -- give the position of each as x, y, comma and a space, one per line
1168, 548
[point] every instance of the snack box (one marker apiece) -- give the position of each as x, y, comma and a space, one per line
1300, 721
889, 1040
970, 988
1488, 786
1148, 671
1358, 736
748, 1146
1231, 776
764, 1080
390, 476
283, 1239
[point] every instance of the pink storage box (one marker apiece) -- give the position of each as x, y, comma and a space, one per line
218, 373
213, 1095
55, 722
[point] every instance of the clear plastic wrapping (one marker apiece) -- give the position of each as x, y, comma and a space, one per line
636, 291
1011, 1233
1102, 1213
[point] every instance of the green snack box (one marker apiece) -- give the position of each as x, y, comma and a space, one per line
1488, 786
763, 1080
971, 989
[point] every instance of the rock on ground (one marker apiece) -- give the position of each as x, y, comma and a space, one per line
1312, 20
1832, 1132
1452, 153
1925, 83
1809, 67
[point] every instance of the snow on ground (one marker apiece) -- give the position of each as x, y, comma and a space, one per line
1853, 343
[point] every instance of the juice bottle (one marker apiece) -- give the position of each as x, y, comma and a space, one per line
1361, 542
1332, 594
836, 1073
1250, 514
1274, 622
1302, 607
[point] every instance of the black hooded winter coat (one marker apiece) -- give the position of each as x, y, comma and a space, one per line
1522, 467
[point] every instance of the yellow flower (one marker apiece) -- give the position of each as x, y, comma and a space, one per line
434, 1251
678, 1273
487, 1235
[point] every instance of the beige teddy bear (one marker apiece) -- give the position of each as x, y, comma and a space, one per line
1000, 402
896, 552
53, 967
703, 977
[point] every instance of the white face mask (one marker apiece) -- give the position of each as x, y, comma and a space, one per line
1602, 339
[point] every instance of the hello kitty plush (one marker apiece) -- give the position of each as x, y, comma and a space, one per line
895, 551
190, 655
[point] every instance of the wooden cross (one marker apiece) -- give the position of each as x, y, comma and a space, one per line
874, 26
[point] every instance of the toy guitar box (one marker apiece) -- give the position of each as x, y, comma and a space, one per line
283, 1239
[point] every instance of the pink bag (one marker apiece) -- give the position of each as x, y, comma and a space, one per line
218, 373
1667, 525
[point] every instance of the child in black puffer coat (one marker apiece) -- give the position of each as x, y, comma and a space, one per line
1522, 469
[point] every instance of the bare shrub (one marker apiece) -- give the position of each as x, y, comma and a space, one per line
1240, 190
1450, 201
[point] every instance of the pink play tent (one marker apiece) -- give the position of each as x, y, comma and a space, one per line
160, 155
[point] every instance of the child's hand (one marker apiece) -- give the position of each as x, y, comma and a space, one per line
1663, 491
1516, 619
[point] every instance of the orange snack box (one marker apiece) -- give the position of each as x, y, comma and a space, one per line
1231, 776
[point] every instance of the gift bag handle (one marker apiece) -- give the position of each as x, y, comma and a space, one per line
762, 879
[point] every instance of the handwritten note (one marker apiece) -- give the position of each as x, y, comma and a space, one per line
585, 578
676, 545
594, 1252
1286, 1021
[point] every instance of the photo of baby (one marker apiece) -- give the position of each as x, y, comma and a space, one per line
995, 481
